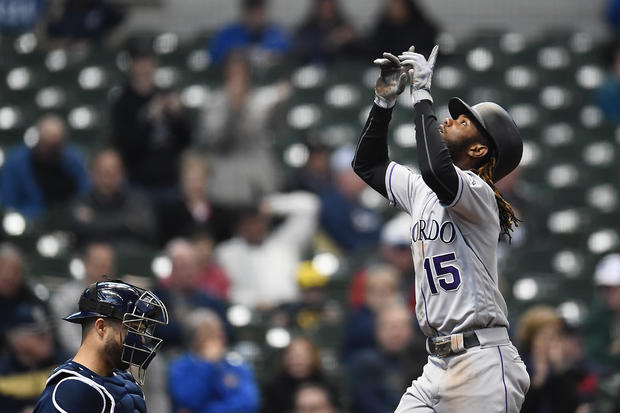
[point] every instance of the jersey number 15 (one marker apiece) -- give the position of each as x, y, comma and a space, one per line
443, 272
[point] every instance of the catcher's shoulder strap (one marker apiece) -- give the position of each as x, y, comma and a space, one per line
76, 390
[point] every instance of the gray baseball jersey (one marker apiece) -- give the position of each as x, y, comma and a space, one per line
454, 252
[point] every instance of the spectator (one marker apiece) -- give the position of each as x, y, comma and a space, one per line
578, 368
262, 41
381, 291
377, 376
208, 379
551, 389
602, 333
300, 364
262, 264
149, 128
17, 16
31, 358
111, 212
240, 123
395, 250
313, 308
14, 291
45, 176
83, 20
212, 278
99, 260
349, 224
193, 211
402, 24
314, 398
325, 35
608, 94
315, 175
180, 291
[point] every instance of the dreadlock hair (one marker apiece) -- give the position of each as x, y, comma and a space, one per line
507, 217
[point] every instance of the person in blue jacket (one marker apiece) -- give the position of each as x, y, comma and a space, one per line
253, 32
208, 378
48, 174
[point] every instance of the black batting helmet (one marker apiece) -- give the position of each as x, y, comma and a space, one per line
495, 123
139, 310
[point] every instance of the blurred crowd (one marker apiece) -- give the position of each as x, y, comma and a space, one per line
238, 232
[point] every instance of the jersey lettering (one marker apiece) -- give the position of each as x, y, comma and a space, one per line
422, 231
442, 273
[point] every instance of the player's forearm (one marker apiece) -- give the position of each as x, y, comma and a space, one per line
434, 157
371, 156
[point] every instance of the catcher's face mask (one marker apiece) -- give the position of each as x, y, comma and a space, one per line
141, 343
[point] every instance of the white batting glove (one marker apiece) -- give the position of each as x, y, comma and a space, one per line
420, 73
391, 82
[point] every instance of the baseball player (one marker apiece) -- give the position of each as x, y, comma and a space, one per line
457, 216
118, 322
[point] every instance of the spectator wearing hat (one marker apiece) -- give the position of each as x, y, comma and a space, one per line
603, 324
31, 357
262, 41
394, 249
313, 309
348, 223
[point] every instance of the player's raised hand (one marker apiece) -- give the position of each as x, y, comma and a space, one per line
391, 81
420, 72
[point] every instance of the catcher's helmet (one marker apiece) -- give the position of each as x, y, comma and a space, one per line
139, 310
494, 122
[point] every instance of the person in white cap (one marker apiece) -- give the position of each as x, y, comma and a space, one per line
395, 250
603, 325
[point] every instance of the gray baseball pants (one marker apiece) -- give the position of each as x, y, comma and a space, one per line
489, 378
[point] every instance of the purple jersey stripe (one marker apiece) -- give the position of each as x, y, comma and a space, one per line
503, 378
390, 184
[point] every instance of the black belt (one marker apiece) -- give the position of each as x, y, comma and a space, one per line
449, 345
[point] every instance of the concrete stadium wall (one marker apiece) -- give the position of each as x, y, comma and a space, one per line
455, 16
